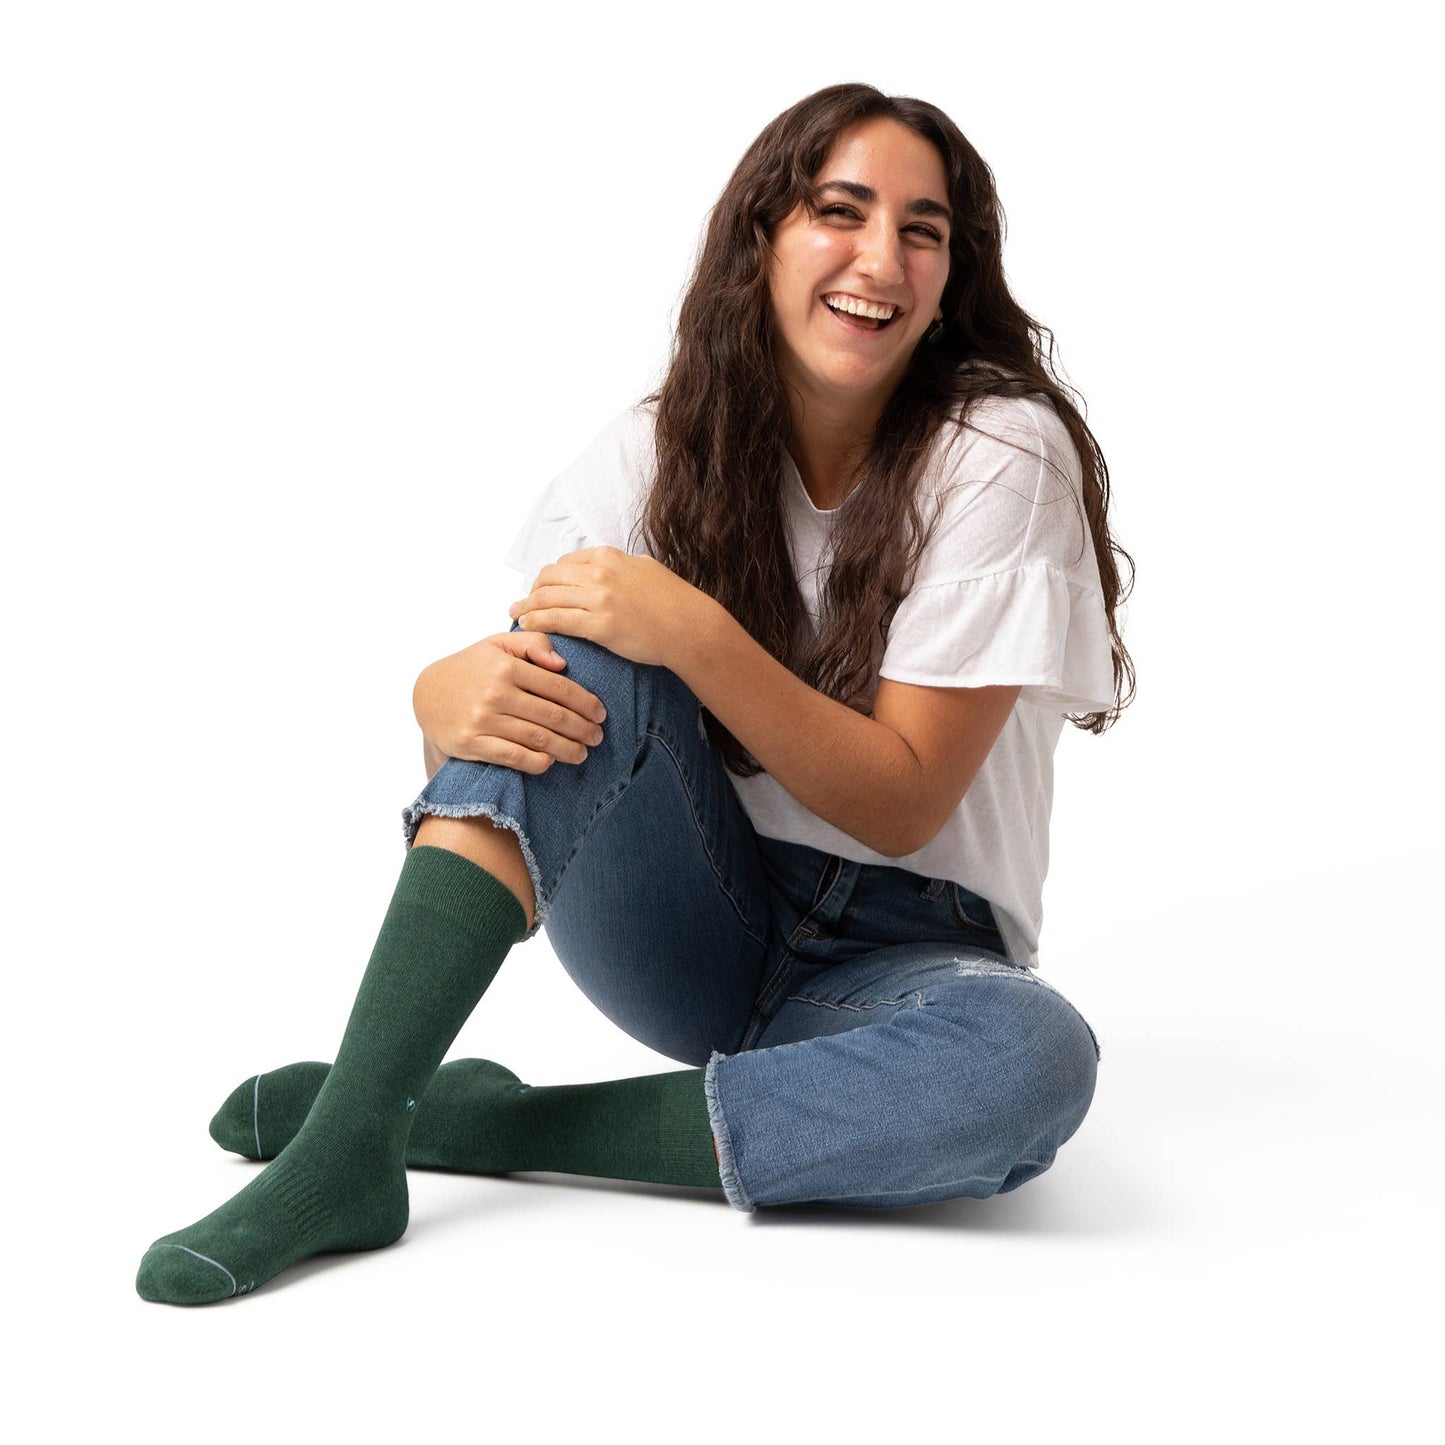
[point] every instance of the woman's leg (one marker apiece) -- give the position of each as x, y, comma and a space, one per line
675, 898
645, 871
341, 1182
912, 1074
898, 1057
478, 1117
873, 1073
662, 918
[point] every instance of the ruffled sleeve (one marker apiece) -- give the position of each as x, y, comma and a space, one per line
595, 502
552, 529
1031, 626
1007, 589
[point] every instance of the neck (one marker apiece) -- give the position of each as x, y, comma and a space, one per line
827, 443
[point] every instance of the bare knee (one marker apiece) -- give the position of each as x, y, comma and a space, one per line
489, 846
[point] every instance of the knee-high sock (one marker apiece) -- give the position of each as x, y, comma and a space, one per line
340, 1183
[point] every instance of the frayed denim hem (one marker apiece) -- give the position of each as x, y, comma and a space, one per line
727, 1165
412, 815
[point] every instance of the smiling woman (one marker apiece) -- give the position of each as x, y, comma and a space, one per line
846, 273
804, 627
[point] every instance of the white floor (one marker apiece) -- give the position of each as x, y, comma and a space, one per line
287, 292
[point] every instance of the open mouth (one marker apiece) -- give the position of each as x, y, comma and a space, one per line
860, 324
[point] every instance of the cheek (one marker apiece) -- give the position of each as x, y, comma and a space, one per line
931, 278
828, 253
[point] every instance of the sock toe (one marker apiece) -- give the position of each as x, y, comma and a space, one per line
235, 1125
174, 1274
262, 1116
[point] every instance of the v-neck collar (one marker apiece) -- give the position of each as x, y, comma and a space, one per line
801, 491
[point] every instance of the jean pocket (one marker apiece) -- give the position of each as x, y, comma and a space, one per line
969, 910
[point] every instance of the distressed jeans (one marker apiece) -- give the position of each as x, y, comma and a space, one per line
866, 1041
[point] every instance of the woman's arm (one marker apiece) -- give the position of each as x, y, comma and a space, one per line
890, 780
891, 784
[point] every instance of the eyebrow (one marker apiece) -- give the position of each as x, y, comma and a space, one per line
922, 207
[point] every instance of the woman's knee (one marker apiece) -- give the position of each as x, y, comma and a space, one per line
634, 693
1015, 1111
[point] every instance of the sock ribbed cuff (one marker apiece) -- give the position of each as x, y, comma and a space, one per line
462, 892
684, 1129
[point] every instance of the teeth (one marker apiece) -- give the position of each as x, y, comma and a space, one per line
859, 308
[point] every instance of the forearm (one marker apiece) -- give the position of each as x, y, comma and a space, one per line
855, 773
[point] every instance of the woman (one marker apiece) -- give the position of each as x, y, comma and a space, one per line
819, 607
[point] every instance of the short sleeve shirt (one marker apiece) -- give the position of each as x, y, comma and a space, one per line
1006, 591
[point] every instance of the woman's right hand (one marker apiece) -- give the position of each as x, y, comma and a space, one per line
504, 700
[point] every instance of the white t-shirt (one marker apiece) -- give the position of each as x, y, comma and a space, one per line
1006, 591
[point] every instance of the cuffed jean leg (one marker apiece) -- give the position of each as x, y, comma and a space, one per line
645, 868
907, 1076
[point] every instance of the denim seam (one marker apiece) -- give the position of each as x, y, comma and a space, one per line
822, 895
859, 1007
702, 835
603, 804
727, 1162
800, 931
769, 991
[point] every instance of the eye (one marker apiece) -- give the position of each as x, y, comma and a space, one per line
851, 214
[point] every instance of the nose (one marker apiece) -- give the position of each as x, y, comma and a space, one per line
880, 255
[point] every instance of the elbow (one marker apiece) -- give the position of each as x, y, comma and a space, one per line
915, 832
901, 845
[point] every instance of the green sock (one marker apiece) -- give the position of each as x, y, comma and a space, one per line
340, 1183
480, 1118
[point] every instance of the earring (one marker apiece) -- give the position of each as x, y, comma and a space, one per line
934, 332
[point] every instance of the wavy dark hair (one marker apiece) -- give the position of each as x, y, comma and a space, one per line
714, 513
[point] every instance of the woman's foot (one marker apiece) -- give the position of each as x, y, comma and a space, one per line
478, 1117
322, 1193
263, 1115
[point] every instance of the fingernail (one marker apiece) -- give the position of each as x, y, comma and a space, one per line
601, 713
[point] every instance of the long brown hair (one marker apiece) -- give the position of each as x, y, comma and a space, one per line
714, 514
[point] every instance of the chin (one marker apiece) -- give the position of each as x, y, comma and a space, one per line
861, 383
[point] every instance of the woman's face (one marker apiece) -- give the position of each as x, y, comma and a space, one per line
881, 237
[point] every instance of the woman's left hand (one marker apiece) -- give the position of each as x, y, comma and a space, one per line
631, 605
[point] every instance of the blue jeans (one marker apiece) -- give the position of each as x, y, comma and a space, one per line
866, 1041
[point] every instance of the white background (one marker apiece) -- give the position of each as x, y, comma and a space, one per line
303, 302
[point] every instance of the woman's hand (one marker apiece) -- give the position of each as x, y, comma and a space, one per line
631, 605
503, 700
